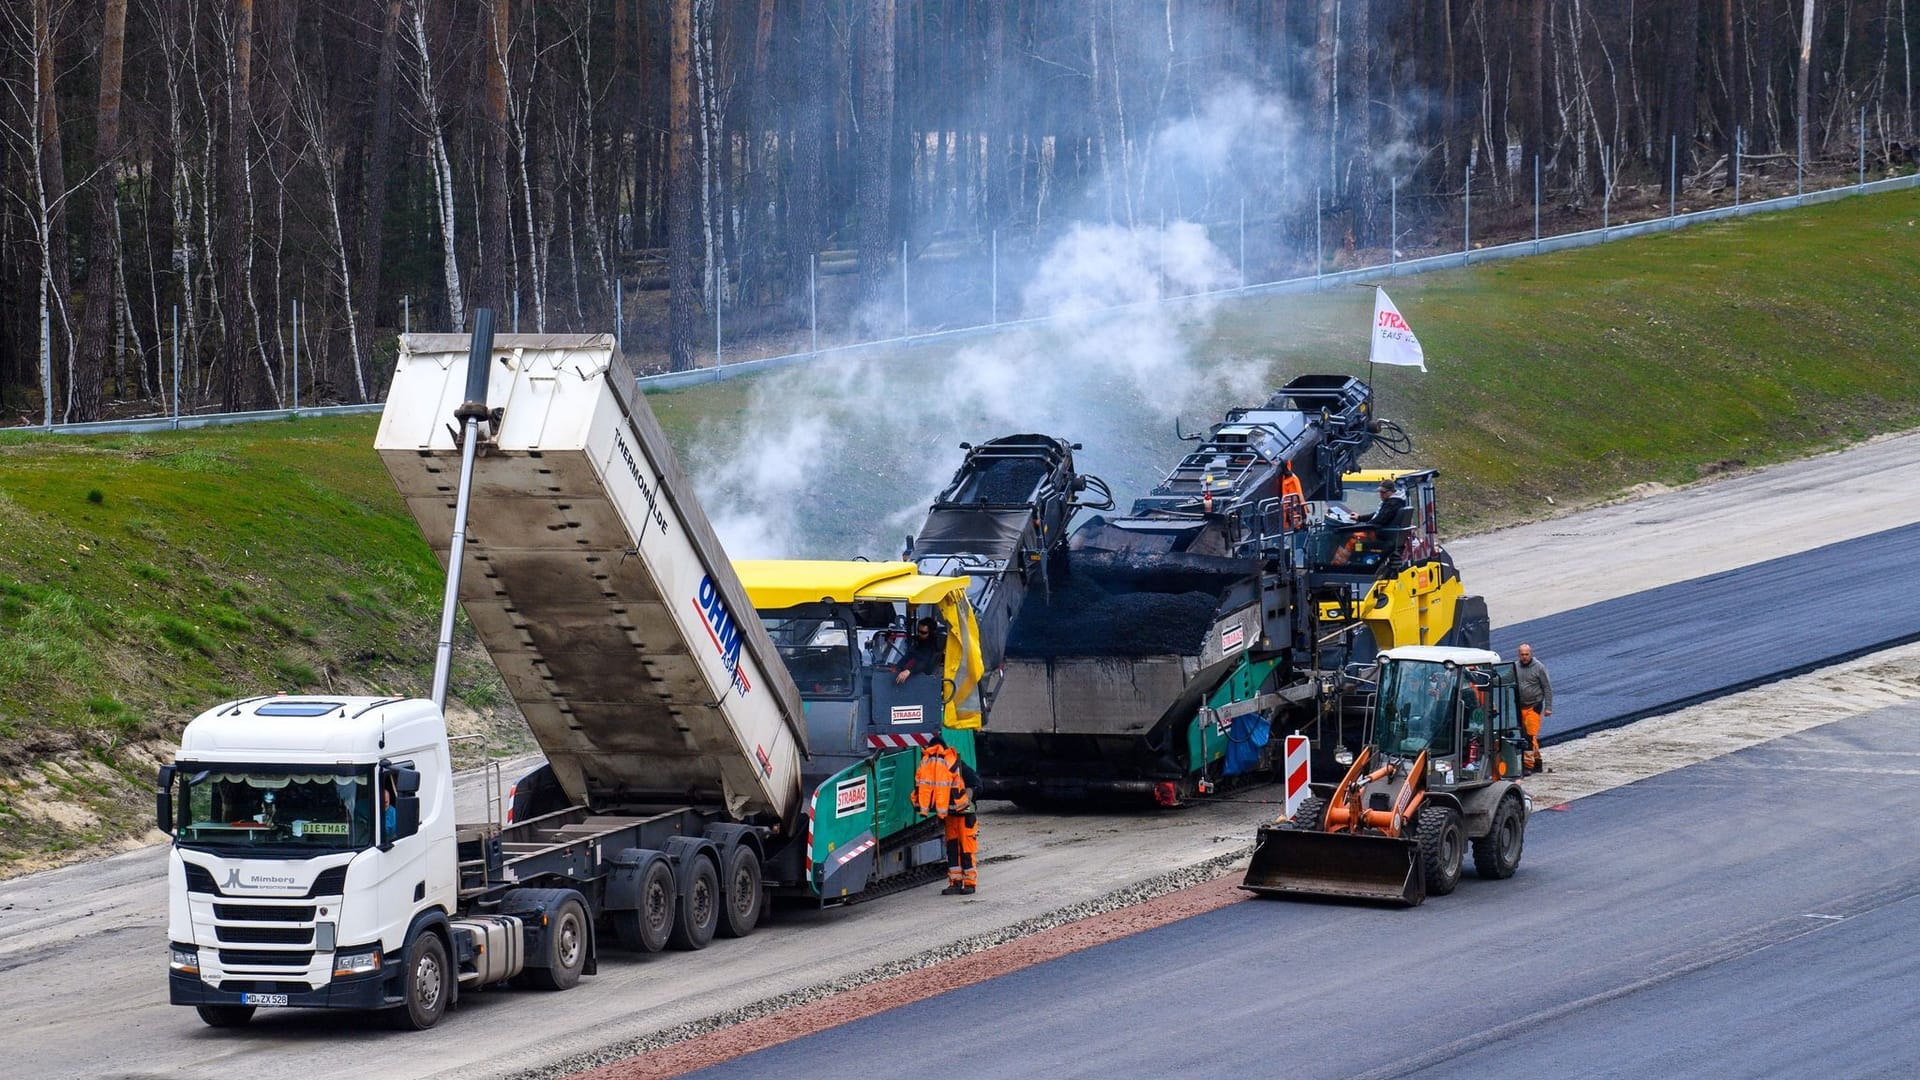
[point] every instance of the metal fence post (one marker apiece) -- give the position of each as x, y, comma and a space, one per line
516, 311
176, 365
296, 354
993, 279
1863, 147
1466, 226
1393, 224
1319, 257
1739, 152
1673, 182
1536, 204
1243, 241
619, 314
716, 313
1800, 161
1606, 188
813, 298
406, 314
906, 309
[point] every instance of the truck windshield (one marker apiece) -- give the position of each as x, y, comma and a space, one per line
1415, 708
818, 653
274, 810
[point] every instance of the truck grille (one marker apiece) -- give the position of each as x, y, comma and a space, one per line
262, 913
330, 882
266, 935
264, 958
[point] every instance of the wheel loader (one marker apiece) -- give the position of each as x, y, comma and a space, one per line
1438, 774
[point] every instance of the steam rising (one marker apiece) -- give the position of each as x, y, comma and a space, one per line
840, 458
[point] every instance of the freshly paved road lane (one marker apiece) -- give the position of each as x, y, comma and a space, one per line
1656, 651
1745, 916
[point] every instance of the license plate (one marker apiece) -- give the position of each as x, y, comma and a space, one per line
266, 1001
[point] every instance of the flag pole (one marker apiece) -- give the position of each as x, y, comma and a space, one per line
1374, 285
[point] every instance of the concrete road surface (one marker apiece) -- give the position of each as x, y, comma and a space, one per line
1752, 915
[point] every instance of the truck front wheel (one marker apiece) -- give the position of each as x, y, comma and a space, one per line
566, 947
428, 983
223, 1016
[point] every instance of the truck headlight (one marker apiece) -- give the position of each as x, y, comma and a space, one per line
184, 959
359, 962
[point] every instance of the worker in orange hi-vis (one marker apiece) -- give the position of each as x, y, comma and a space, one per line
1536, 702
1293, 501
944, 785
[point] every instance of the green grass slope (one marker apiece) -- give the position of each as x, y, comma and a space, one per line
143, 578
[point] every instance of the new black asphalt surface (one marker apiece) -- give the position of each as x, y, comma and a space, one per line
1660, 650
1753, 915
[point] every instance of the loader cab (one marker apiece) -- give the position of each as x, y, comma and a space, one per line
1420, 539
1457, 705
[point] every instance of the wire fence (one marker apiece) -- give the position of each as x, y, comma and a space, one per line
972, 303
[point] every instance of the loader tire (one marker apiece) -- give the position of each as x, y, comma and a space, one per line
1310, 816
1442, 843
1497, 855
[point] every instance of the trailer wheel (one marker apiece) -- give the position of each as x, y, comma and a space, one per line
646, 929
744, 893
428, 983
566, 945
225, 1016
1441, 847
1497, 855
698, 913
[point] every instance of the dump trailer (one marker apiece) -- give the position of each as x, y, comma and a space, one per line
1183, 633
1439, 773
316, 859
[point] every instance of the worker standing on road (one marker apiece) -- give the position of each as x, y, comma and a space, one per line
1536, 701
944, 785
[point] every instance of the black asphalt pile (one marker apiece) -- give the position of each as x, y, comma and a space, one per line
1008, 480
1083, 617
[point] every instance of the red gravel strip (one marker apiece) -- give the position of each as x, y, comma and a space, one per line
864, 1001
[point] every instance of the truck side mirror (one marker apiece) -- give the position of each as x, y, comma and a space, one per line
163, 800
407, 817
406, 781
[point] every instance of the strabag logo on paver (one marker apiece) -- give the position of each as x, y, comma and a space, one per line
907, 714
850, 797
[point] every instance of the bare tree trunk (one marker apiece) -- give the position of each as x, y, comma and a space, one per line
491, 275
379, 166
1732, 118
240, 386
682, 200
812, 120
1804, 82
442, 167
873, 189
1325, 81
103, 244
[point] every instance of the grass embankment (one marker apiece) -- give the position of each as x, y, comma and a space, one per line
143, 578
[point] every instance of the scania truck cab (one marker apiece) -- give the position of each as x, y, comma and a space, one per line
313, 857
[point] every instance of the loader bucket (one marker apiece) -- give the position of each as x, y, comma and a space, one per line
1301, 862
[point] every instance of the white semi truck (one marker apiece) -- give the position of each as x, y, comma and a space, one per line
316, 858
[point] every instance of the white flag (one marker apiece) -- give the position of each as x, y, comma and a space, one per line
1393, 340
